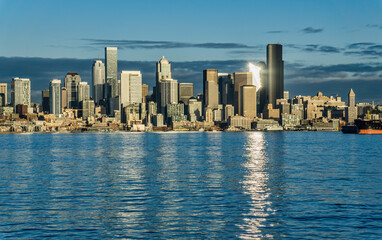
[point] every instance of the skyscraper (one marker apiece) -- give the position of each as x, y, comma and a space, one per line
3, 93
351, 113
20, 91
241, 79
210, 88
145, 92
45, 101
72, 81
98, 81
226, 88
248, 101
131, 87
83, 92
275, 73
64, 98
185, 92
111, 72
55, 97
163, 72
169, 93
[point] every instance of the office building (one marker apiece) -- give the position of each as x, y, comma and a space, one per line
64, 98
3, 94
169, 93
72, 81
351, 113
240, 79
163, 72
145, 92
262, 92
275, 73
195, 110
226, 88
111, 67
210, 88
131, 87
45, 104
98, 76
20, 91
55, 97
83, 91
286, 95
248, 101
185, 92
229, 111
87, 108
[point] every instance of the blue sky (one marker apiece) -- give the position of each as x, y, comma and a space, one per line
333, 36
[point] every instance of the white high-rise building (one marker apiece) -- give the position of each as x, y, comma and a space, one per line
163, 73
98, 81
111, 72
21, 91
169, 93
131, 87
55, 97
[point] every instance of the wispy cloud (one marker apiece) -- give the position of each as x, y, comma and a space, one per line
276, 31
364, 49
379, 26
145, 44
310, 30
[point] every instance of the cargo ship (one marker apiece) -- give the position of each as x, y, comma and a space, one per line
366, 126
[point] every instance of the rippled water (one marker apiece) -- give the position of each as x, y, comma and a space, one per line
294, 185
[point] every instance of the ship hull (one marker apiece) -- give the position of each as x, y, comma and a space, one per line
370, 131
369, 126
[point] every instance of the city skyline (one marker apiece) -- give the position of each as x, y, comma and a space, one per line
337, 45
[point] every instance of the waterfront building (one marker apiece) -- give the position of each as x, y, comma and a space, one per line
229, 111
194, 110
185, 92
87, 108
271, 113
3, 94
158, 120
163, 72
248, 101
241, 79
145, 92
98, 76
83, 92
175, 112
239, 122
55, 97
45, 104
72, 81
20, 91
351, 113
208, 115
210, 88
275, 73
226, 88
169, 93
290, 120
218, 113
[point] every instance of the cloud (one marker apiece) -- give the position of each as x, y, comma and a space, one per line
379, 26
145, 44
310, 30
276, 32
364, 49
299, 78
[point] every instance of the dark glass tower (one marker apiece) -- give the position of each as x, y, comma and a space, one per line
275, 66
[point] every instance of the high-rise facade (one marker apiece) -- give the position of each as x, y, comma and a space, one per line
169, 93
163, 72
240, 79
210, 88
248, 101
275, 72
64, 98
45, 101
3, 94
351, 113
111, 72
98, 76
226, 88
131, 87
20, 91
185, 92
55, 97
83, 92
72, 80
145, 92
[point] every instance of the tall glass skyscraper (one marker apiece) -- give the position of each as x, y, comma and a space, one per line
72, 81
98, 81
275, 65
111, 72
20, 91
163, 73
55, 97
